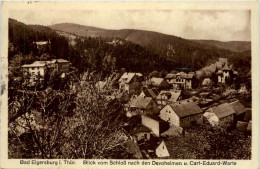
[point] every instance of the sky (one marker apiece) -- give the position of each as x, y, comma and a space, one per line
223, 25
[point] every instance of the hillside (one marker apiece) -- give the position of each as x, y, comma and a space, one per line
236, 46
142, 51
184, 54
147, 38
22, 36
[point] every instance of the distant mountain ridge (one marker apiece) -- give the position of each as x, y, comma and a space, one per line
146, 38
137, 50
236, 46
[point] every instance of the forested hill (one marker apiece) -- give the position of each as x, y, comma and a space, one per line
101, 51
146, 38
236, 46
22, 36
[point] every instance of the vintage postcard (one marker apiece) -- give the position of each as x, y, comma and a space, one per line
129, 84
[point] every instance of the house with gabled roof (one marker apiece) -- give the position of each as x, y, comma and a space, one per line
155, 124
225, 72
161, 149
168, 97
130, 82
158, 83
183, 114
180, 80
38, 69
43, 46
141, 105
155, 148
153, 93
222, 114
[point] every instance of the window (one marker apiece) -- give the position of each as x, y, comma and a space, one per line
169, 119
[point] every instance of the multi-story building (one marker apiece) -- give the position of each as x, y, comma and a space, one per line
180, 80
131, 83
183, 114
37, 69
168, 97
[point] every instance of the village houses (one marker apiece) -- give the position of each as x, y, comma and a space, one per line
168, 97
222, 114
153, 93
130, 82
43, 46
183, 114
180, 80
141, 105
225, 73
37, 69
155, 124
158, 83
161, 150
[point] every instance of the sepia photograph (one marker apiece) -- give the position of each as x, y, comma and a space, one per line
173, 83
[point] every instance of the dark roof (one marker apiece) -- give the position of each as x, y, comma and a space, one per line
186, 109
238, 107
223, 110
135, 112
140, 128
242, 126
151, 93
140, 102
248, 115
157, 118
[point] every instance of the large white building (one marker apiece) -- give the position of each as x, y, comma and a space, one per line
183, 114
37, 69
